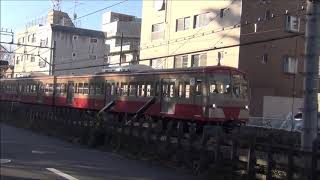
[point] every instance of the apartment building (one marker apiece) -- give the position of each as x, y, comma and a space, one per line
57, 47
177, 33
260, 37
122, 38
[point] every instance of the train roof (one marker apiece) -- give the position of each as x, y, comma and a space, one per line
207, 69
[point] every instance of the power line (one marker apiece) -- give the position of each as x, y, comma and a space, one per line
18, 44
102, 9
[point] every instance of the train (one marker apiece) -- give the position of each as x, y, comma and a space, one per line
210, 95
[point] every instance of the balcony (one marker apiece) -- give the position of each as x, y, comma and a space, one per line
128, 46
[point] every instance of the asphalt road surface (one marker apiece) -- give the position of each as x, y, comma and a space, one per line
29, 156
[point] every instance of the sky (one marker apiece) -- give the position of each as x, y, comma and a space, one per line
15, 14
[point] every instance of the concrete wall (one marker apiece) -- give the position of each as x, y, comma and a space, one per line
67, 64
280, 107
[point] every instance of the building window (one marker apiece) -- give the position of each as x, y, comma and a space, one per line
29, 38
222, 12
290, 65
33, 38
157, 63
93, 40
43, 63
157, 31
74, 37
198, 60
158, 27
42, 43
181, 61
123, 58
182, 24
265, 58
18, 60
202, 19
159, 5
32, 59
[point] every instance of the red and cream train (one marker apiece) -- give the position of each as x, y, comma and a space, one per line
214, 94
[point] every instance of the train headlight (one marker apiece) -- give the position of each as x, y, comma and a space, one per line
247, 107
214, 106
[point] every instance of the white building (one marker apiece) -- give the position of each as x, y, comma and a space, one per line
125, 29
57, 47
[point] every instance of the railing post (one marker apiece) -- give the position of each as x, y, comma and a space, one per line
290, 163
269, 162
314, 160
251, 161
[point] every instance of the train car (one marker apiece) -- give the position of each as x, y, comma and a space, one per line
214, 94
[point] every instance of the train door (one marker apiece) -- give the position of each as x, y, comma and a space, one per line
19, 90
70, 92
111, 91
39, 90
198, 87
167, 96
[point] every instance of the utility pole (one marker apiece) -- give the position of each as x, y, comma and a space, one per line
121, 43
312, 52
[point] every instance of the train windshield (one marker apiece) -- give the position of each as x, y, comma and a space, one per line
234, 85
239, 86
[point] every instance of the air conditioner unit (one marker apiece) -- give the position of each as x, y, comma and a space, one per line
292, 24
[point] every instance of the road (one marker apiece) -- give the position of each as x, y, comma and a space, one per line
29, 156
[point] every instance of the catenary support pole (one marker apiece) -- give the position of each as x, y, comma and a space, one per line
312, 51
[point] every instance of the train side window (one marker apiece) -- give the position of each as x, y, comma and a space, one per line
80, 88
132, 89
34, 88
46, 88
148, 91
113, 89
86, 88
227, 89
165, 90
220, 87
124, 89
50, 88
213, 89
171, 89
58, 88
187, 90
180, 90
63, 88
75, 88
141, 90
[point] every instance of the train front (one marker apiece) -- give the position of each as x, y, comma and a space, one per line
229, 97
